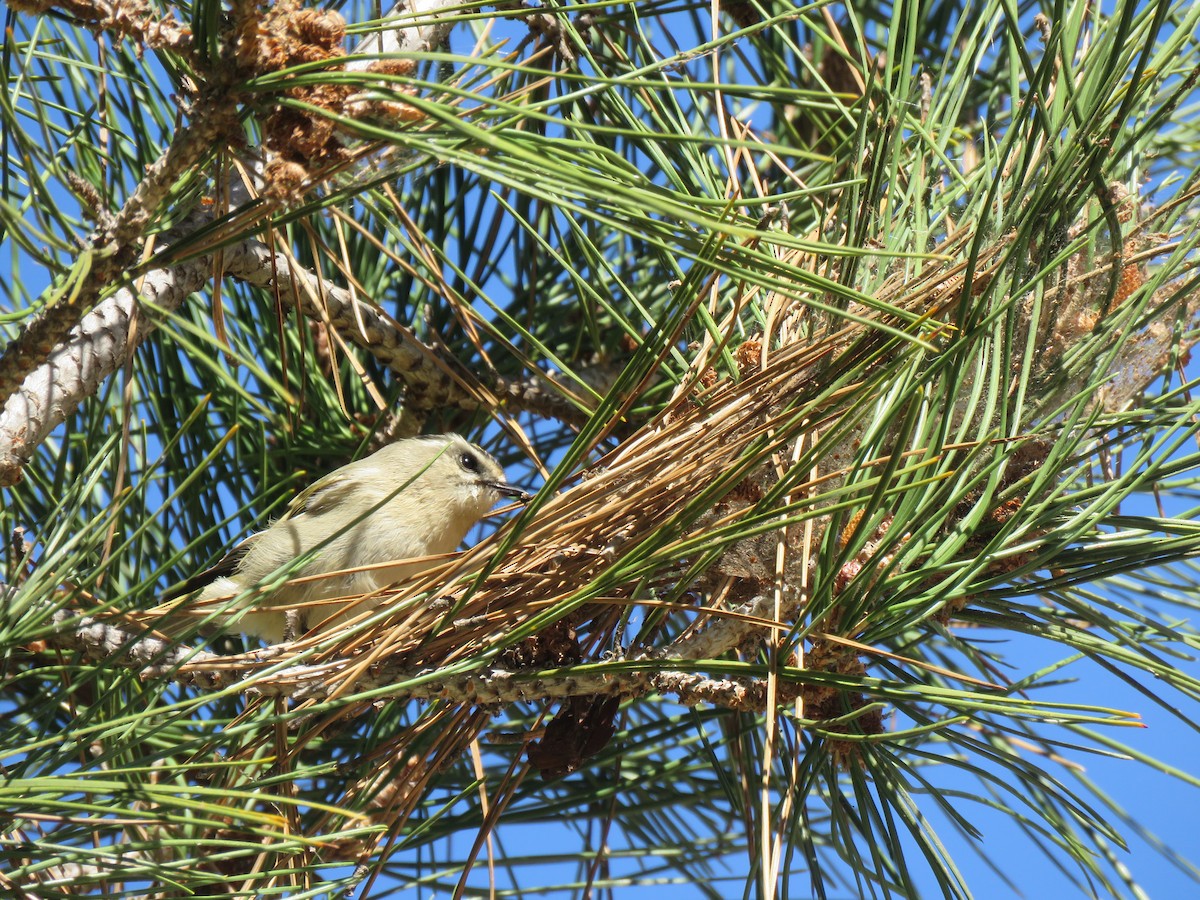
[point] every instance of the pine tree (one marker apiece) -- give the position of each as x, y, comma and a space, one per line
845, 347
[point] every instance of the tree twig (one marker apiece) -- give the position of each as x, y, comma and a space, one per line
107, 642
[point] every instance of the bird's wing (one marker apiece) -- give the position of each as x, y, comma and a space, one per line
322, 495
227, 566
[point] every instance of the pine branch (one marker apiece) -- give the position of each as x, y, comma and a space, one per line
110, 251
98, 346
106, 642
91, 352
63, 356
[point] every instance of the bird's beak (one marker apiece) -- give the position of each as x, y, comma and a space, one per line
504, 489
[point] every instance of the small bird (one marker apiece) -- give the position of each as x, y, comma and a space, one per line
415, 498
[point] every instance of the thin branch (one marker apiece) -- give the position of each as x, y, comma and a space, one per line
93, 350
432, 379
110, 252
99, 345
104, 641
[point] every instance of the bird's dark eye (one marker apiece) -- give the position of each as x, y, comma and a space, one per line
469, 462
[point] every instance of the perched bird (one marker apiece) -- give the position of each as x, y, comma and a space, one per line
414, 498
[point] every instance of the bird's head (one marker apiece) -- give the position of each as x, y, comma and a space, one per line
451, 473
